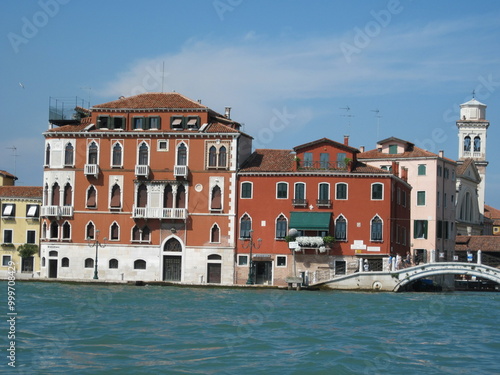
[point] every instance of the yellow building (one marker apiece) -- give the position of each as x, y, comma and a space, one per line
19, 225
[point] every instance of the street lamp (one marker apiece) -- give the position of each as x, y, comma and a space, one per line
97, 244
251, 245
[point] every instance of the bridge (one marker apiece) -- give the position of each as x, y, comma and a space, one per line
394, 281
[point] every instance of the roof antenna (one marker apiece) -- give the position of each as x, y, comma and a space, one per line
162, 75
14, 149
378, 116
473, 94
347, 108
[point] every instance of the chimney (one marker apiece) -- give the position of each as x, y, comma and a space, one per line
404, 174
227, 112
362, 149
346, 140
395, 168
441, 153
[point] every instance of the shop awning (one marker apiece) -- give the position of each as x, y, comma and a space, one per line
310, 220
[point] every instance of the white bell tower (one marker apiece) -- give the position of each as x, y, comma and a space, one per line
472, 128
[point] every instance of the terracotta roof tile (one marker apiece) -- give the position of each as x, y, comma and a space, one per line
265, 160
416, 152
21, 191
484, 243
217, 127
7, 174
152, 100
365, 168
327, 140
491, 212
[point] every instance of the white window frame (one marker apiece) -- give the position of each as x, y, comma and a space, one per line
110, 231
160, 141
210, 234
177, 152
251, 189
147, 142
89, 142
346, 191
276, 226
425, 198
319, 189
8, 209
9, 259
346, 227
242, 256
11, 235
113, 144
281, 257
72, 143
287, 189
294, 189
62, 231
371, 191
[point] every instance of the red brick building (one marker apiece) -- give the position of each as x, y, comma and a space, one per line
156, 175
321, 190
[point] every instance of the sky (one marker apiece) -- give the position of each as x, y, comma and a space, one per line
292, 71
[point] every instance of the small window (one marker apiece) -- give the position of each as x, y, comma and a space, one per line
193, 122
393, 149
8, 210
113, 263
282, 190
341, 229
376, 229
68, 155
377, 191
308, 160
115, 232
7, 236
154, 122
102, 123
215, 234
91, 197
115, 201
281, 227
118, 123
31, 236
66, 231
420, 229
422, 169
177, 122
245, 226
117, 155
90, 231
420, 198
32, 210
242, 260
246, 190
140, 264
162, 145
138, 123
341, 191
64, 262
6, 260
89, 263
281, 261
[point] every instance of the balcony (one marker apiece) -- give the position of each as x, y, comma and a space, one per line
321, 165
323, 203
180, 171
159, 213
142, 171
91, 170
57, 211
299, 202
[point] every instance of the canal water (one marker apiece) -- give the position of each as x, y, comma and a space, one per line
122, 329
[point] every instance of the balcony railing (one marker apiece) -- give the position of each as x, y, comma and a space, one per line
299, 202
59, 211
322, 165
142, 170
473, 154
180, 171
323, 202
159, 213
91, 170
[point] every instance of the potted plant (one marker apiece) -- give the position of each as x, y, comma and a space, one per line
27, 250
328, 240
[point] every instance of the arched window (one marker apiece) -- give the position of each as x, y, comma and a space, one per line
68, 195
115, 196
113, 263
47, 155
376, 229
467, 143
91, 197
43, 261
140, 264
182, 154
181, 197
281, 227
117, 155
89, 263
66, 229
114, 232
215, 234
46, 195
44, 230
245, 226
54, 230
216, 202
172, 245
56, 194
64, 262
341, 228
93, 150
212, 157
477, 144
68, 154
168, 197
143, 154
146, 233
136, 233
222, 156
141, 235
90, 231
142, 196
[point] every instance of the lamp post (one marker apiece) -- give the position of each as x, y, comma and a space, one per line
251, 245
97, 244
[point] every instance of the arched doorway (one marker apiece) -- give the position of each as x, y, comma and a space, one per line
172, 260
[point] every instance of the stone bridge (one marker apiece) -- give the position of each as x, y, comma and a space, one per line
394, 281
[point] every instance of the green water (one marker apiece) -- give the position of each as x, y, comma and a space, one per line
98, 329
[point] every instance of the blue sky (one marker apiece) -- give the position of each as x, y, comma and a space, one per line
287, 68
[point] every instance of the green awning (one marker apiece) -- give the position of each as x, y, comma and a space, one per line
310, 220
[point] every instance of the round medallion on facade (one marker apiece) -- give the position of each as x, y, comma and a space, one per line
198, 187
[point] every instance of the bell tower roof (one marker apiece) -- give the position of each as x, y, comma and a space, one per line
473, 110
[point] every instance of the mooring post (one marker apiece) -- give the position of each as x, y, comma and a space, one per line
479, 257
